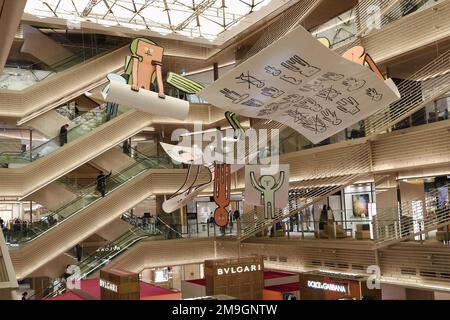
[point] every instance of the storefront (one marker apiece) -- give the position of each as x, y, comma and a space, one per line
91, 290
171, 277
200, 211
399, 292
317, 285
277, 286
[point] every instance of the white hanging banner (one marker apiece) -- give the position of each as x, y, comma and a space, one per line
146, 101
301, 83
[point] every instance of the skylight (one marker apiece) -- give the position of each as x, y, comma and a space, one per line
205, 19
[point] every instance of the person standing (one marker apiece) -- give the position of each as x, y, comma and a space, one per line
63, 135
101, 182
2, 224
330, 214
126, 147
323, 217
152, 224
78, 252
231, 220
236, 215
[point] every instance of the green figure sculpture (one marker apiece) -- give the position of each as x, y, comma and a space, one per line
267, 187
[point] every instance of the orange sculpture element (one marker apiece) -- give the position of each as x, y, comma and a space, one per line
222, 193
146, 60
358, 55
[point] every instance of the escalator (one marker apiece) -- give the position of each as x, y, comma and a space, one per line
87, 196
60, 87
70, 224
90, 138
138, 230
10, 15
82, 125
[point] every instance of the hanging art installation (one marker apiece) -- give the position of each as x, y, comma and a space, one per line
222, 193
143, 68
306, 86
267, 190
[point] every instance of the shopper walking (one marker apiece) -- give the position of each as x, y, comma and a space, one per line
63, 135
101, 182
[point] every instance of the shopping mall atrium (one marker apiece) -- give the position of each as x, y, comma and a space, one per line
224, 150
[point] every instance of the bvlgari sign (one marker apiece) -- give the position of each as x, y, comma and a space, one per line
239, 269
242, 278
108, 285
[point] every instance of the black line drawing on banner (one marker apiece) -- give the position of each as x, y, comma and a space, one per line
291, 100
315, 124
272, 92
291, 80
331, 76
310, 104
269, 109
328, 94
312, 123
297, 64
253, 103
287, 102
252, 81
348, 105
299, 117
330, 116
234, 96
353, 84
315, 86
273, 71
372, 92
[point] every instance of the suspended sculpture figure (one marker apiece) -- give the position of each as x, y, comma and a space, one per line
267, 186
191, 87
144, 65
222, 192
358, 55
239, 132
184, 84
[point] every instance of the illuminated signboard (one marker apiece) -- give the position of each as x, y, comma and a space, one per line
108, 285
327, 286
239, 269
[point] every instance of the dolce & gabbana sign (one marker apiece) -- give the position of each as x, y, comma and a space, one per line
327, 286
239, 269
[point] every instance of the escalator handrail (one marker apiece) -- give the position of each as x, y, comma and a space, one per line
25, 154
90, 187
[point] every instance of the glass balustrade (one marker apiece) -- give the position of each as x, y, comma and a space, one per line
366, 18
139, 229
438, 110
20, 77
19, 234
82, 125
